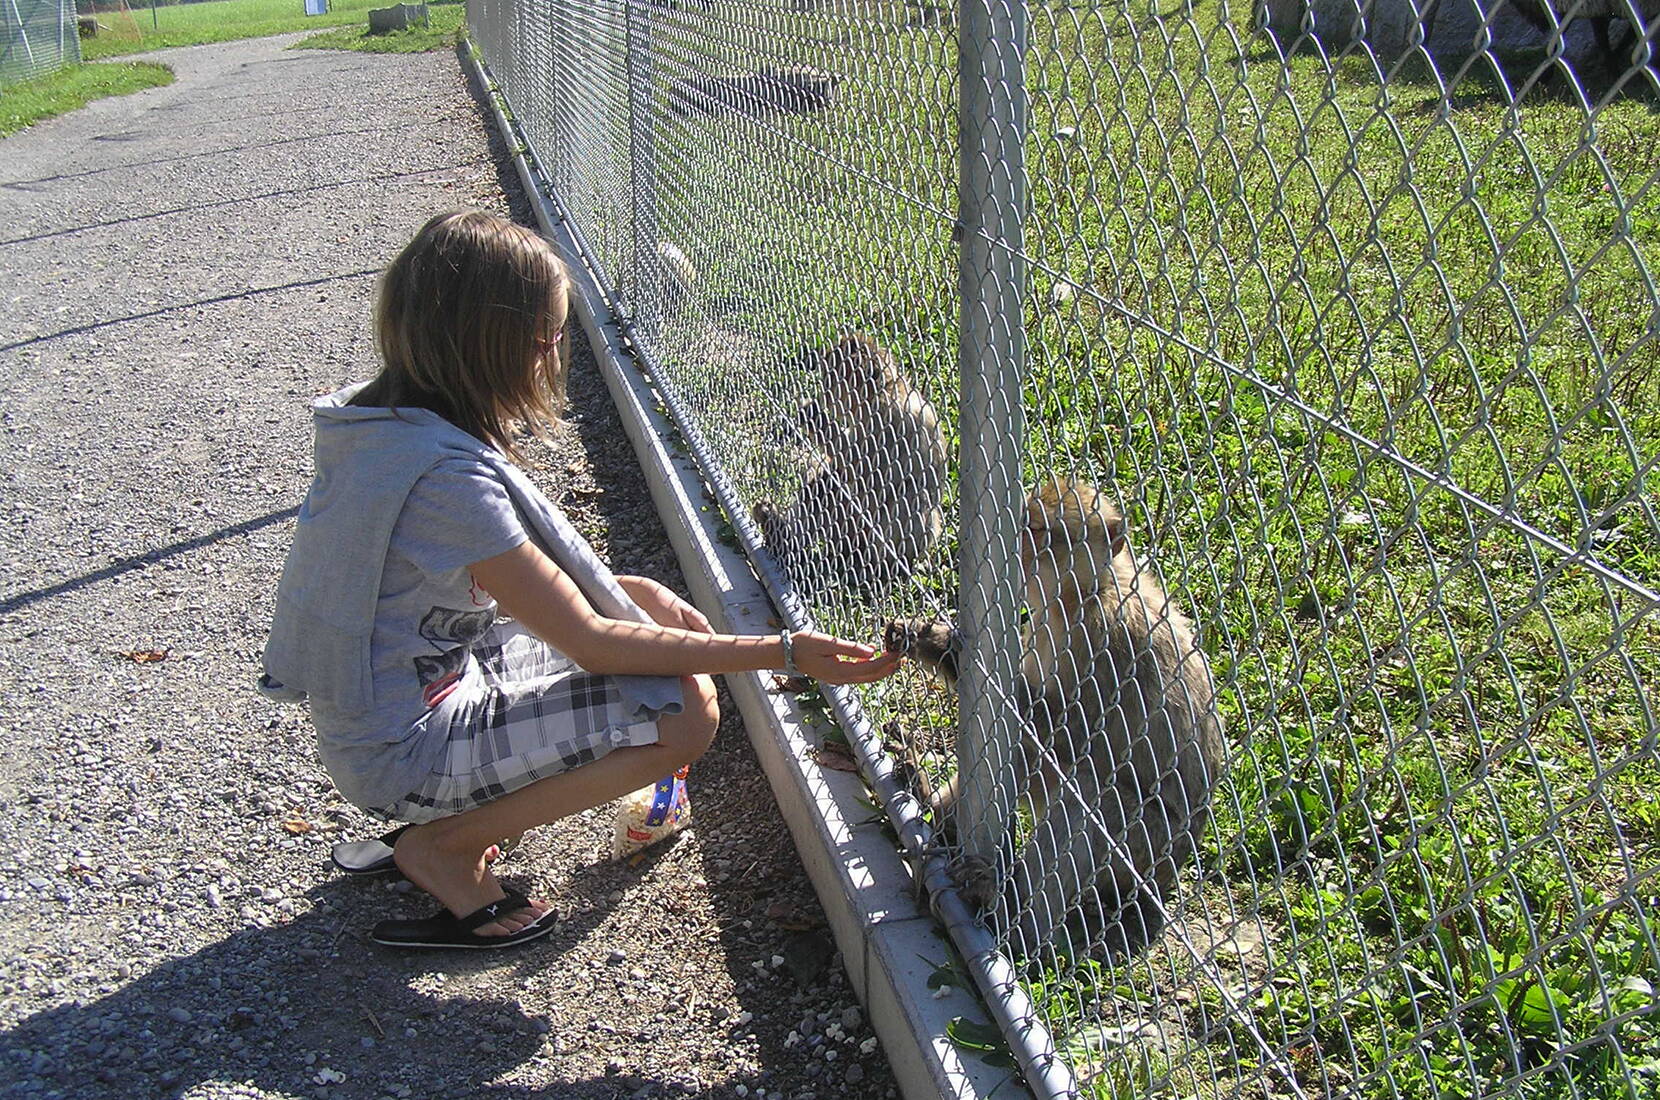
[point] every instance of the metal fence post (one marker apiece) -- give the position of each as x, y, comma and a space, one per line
991, 354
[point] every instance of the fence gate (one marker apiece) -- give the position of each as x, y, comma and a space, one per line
1250, 413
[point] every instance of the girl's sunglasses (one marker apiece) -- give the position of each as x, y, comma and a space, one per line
547, 345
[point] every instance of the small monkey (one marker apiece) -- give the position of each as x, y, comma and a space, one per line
1123, 741
870, 508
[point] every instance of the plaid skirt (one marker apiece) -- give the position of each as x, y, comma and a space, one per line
528, 712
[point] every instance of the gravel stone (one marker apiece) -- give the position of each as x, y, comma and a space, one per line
187, 268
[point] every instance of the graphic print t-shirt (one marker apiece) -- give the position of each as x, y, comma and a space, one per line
429, 614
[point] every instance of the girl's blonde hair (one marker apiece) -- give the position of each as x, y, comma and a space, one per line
467, 322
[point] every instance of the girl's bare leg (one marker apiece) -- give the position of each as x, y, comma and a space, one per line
446, 857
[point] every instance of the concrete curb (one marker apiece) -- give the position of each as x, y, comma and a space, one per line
889, 942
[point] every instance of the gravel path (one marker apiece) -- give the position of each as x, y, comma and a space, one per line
186, 268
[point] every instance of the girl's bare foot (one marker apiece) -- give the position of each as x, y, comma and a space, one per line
460, 880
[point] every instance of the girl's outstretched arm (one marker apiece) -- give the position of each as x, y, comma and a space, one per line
535, 591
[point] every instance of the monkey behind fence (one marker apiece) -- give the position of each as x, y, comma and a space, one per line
870, 506
1123, 742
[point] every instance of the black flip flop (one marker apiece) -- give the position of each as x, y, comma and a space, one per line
367, 857
445, 929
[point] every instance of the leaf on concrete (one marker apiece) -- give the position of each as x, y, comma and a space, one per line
832, 757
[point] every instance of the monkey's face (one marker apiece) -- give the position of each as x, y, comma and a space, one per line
1072, 533
1048, 556
858, 372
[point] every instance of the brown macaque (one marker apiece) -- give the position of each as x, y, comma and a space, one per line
869, 509
1123, 741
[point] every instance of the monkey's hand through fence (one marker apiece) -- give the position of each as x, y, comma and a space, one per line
933, 642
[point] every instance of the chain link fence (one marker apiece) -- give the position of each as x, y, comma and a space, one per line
1249, 416
41, 37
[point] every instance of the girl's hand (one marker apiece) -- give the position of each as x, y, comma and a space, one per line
838, 661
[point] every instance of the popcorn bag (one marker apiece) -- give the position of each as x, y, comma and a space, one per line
651, 814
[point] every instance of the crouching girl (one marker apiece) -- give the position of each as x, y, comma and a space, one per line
419, 533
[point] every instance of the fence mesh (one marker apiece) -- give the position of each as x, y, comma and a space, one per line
1249, 415
41, 36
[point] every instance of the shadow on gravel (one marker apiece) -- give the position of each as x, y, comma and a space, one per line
507, 176
201, 154
763, 901
235, 295
307, 1008
196, 208
141, 561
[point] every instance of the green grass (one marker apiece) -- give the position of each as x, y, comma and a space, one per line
227, 20
1448, 735
31, 101
1306, 305
1441, 737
